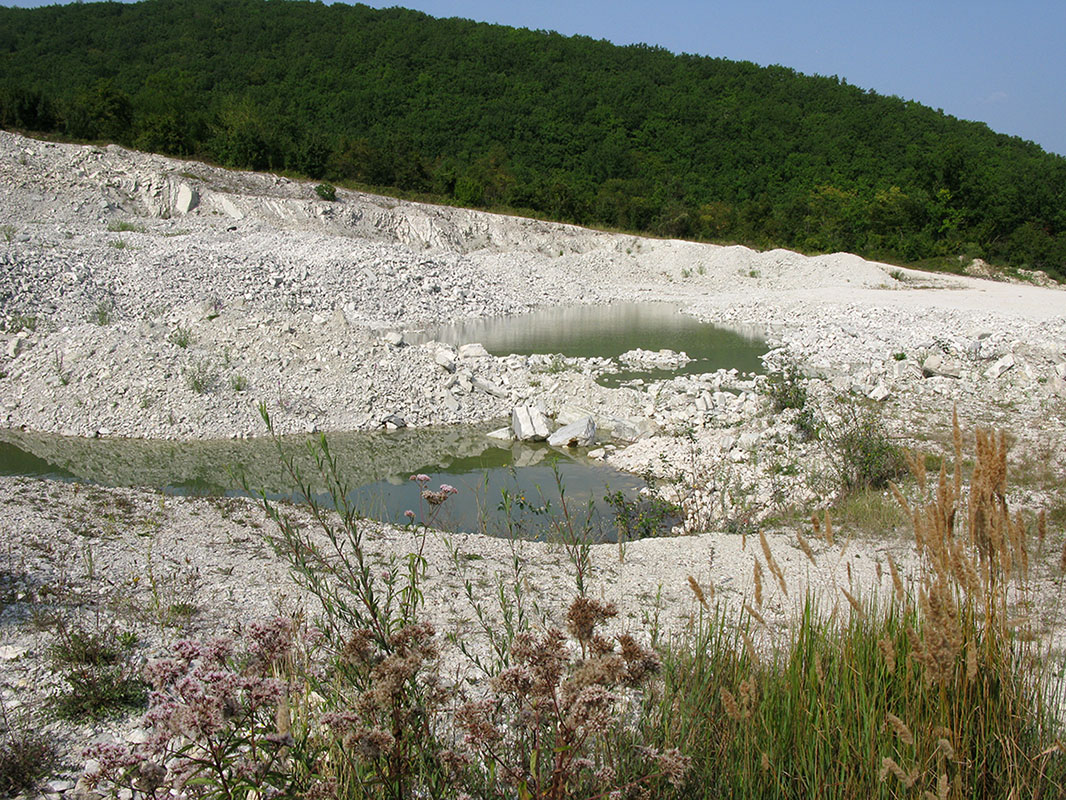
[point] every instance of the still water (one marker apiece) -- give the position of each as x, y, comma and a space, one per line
607, 331
376, 466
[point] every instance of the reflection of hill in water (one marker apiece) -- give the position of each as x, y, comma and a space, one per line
206, 466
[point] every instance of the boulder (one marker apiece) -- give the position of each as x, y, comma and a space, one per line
936, 366
474, 350
581, 433
1001, 366
188, 199
445, 358
529, 424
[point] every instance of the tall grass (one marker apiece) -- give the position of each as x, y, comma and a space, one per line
933, 692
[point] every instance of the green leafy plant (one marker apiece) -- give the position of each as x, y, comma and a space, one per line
99, 670
861, 455
200, 376
787, 390
326, 191
181, 336
26, 752
21, 322
103, 314
123, 227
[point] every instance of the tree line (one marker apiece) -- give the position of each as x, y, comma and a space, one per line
574, 129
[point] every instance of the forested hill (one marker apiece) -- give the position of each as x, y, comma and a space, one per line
572, 128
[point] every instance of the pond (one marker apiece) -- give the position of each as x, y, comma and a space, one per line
607, 331
376, 466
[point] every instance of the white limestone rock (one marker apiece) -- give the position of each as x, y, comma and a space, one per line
581, 433
529, 424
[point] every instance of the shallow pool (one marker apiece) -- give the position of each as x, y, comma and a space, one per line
502, 487
607, 331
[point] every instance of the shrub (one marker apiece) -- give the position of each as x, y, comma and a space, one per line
99, 670
26, 754
786, 389
326, 191
861, 454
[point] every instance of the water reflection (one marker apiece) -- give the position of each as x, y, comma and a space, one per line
376, 465
607, 331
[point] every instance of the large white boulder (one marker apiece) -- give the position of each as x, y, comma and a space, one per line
581, 433
529, 424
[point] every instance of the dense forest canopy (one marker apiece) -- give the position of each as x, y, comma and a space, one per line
568, 127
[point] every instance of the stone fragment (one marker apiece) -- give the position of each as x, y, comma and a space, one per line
529, 424
393, 338
474, 350
624, 430
879, 393
1001, 366
488, 387
188, 199
504, 434
938, 366
445, 358
581, 433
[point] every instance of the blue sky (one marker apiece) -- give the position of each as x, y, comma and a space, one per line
998, 61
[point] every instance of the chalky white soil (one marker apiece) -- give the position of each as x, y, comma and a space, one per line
290, 300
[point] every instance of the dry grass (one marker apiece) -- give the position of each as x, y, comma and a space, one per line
943, 692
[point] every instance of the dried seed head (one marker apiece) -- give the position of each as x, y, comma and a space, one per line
758, 583
900, 728
697, 591
897, 584
888, 652
805, 546
856, 606
585, 614
772, 564
944, 746
729, 703
755, 615
890, 767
